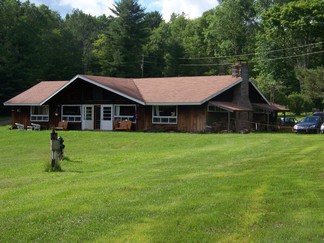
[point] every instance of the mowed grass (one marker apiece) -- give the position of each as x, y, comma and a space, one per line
162, 187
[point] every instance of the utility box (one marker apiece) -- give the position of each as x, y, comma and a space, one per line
55, 145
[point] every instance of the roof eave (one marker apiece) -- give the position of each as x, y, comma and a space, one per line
22, 104
172, 103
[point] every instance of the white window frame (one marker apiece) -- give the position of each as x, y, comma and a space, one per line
39, 117
71, 118
119, 117
159, 119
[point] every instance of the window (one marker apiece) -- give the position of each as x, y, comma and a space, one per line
39, 113
123, 112
164, 114
71, 113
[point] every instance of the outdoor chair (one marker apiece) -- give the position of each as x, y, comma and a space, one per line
124, 125
62, 125
35, 126
20, 126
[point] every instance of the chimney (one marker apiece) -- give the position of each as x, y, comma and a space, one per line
241, 97
241, 93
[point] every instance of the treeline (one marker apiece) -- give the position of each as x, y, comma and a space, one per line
282, 40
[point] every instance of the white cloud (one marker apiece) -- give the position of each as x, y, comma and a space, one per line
192, 8
93, 7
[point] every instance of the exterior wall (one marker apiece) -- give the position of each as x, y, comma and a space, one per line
192, 118
20, 115
189, 119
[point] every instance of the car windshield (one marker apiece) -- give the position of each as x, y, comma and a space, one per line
310, 119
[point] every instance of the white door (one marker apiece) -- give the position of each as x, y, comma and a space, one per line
106, 117
88, 117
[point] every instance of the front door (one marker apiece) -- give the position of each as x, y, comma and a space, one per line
88, 117
106, 119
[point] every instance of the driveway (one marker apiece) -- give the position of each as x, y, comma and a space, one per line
5, 122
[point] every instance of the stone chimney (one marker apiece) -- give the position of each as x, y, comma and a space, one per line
241, 97
241, 92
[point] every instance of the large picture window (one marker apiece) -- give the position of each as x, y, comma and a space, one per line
125, 112
71, 113
39, 113
164, 114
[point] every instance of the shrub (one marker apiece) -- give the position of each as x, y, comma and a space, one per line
298, 103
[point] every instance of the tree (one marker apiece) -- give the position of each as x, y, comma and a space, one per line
153, 20
120, 47
312, 85
291, 36
84, 29
231, 28
298, 103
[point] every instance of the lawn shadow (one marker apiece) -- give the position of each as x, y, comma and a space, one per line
72, 160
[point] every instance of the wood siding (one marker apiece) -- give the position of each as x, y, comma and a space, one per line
190, 119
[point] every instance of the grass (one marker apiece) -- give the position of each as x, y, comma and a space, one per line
162, 187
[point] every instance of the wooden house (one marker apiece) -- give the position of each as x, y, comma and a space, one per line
186, 104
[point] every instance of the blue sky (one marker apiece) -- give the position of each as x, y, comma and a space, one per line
193, 8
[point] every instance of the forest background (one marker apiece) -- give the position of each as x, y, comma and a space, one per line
281, 40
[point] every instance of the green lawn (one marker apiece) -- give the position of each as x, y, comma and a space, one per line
162, 187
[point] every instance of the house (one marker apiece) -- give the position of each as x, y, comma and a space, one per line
188, 104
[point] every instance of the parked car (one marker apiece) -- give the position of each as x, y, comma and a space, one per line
319, 113
322, 128
288, 121
310, 124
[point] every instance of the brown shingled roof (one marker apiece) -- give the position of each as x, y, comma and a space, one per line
230, 106
270, 107
178, 90
150, 91
37, 94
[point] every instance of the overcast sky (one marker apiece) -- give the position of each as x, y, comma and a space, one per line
193, 8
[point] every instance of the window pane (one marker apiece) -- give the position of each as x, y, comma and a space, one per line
127, 110
107, 113
173, 120
167, 110
88, 113
72, 110
40, 110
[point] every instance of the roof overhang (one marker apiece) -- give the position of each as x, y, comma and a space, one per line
270, 107
171, 103
230, 106
21, 104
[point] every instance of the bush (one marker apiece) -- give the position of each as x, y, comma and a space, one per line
298, 103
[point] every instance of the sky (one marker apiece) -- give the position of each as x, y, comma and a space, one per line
192, 8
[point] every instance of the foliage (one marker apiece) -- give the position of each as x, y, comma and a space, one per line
162, 187
298, 103
124, 40
290, 32
312, 81
276, 37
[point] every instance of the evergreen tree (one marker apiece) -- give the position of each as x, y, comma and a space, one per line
120, 49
